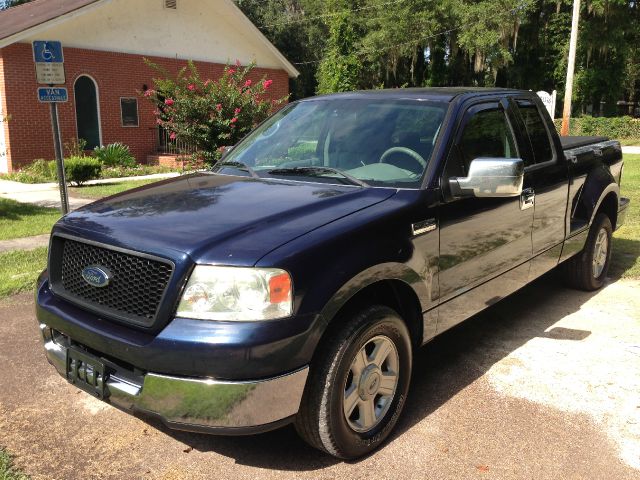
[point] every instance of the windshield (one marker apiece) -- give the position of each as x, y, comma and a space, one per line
348, 141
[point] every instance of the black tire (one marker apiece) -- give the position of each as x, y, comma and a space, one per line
579, 271
321, 421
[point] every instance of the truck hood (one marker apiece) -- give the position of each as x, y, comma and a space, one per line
216, 218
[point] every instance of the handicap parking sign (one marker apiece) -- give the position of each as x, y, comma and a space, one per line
47, 51
49, 61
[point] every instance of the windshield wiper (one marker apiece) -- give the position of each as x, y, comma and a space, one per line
239, 166
310, 171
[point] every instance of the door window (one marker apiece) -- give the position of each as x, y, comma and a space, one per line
487, 133
537, 131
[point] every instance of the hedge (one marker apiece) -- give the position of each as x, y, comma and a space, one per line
612, 127
78, 170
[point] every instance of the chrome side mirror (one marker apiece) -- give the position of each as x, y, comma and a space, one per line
490, 177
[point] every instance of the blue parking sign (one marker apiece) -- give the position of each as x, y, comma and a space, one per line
47, 51
53, 94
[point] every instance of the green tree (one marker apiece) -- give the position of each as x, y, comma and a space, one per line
341, 66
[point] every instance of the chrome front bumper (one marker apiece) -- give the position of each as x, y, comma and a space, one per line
199, 404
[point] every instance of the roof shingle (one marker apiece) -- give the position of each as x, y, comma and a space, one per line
28, 15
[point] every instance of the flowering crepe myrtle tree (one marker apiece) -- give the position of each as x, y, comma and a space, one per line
210, 114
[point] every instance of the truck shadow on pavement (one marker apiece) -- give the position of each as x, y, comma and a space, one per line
442, 369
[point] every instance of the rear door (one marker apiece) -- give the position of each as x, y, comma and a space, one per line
485, 243
547, 177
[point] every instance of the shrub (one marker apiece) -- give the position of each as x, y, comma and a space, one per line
40, 171
78, 170
119, 172
208, 114
115, 155
612, 127
40, 168
75, 147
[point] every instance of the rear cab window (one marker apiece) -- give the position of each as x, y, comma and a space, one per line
537, 132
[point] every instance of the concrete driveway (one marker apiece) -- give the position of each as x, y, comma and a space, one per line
545, 384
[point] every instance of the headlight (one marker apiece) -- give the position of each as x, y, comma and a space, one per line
235, 293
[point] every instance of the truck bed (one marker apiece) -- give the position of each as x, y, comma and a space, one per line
570, 142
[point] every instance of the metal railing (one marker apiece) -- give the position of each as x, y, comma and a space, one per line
166, 145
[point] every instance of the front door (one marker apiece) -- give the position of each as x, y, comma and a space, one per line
485, 243
87, 117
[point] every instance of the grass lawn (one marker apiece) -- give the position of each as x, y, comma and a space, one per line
625, 261
19, 270
7, 471
105, 189
19, 220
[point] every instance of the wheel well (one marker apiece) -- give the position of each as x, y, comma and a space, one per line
394, 294
609, 206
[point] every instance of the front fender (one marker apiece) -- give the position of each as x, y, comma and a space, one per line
374, 274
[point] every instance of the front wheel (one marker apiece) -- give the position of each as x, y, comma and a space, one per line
588, 269
357, 385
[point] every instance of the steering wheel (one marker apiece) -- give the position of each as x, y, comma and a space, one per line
407, 151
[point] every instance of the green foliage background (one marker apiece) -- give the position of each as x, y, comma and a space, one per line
360, 44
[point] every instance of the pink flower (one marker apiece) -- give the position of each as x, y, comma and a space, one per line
234, 120
267, 83
148, 92
206, 84
191, 87
172, 135
169, 102
159, 121
247, 83
219, 107
231, 71
238, 62
237, 111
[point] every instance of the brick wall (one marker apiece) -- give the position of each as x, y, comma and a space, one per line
29, 134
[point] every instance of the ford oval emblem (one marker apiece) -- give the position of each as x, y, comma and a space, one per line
96, 276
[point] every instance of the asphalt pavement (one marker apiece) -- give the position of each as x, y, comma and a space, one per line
543, 385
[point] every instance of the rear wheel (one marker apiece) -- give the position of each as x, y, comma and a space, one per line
357, 385
588, 269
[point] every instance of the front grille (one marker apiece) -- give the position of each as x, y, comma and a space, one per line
135, 289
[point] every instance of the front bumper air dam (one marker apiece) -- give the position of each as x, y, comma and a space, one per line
200, 404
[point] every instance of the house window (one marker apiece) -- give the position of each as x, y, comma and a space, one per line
129, 112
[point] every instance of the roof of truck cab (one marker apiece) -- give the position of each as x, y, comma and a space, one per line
433, 93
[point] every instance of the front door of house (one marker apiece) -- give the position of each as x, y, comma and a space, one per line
87, 114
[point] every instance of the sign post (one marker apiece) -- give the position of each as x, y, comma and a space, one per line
49, 61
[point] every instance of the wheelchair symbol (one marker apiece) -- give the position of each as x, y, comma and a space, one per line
47, 55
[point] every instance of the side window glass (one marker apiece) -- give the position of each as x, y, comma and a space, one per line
537, 131
486, 134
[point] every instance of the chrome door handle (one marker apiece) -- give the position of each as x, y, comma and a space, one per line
527, 198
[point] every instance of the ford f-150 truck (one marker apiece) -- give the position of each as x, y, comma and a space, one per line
293, 281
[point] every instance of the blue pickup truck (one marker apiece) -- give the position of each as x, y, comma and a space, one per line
293, 281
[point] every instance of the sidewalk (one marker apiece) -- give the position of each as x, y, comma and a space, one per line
10, 187
631, 150
47, 194
25, 243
